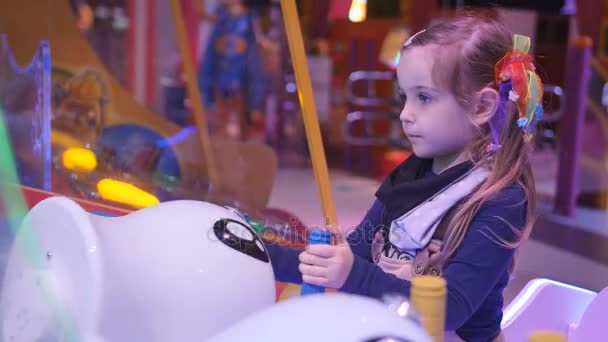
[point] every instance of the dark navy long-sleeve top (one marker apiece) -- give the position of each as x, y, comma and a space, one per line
476, 274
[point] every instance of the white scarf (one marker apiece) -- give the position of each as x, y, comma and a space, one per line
414, 229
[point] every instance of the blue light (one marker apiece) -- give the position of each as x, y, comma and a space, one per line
397, 58
291, 87
180, 136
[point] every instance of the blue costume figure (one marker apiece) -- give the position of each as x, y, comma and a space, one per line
231, 66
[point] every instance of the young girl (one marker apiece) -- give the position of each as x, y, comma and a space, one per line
462, 204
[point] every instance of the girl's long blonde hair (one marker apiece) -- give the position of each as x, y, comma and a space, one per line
470, 46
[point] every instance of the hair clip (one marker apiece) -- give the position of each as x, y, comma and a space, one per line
409, 41
493, 147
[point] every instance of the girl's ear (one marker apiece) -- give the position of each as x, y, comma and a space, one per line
487, 103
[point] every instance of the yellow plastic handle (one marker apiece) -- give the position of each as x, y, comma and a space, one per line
79, 159
125, 193
546, 336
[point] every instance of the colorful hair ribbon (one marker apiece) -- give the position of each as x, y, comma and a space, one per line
516, 76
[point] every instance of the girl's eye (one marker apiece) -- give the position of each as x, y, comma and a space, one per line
424, 98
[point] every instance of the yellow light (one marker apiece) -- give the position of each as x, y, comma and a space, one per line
301, 99
358, 11
79, 159
125, 193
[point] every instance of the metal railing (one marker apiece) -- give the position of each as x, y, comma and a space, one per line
367, 135
370, 77
359, 125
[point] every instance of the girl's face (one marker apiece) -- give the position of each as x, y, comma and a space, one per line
437, 126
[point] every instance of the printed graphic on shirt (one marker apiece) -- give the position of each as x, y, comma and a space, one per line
393, 252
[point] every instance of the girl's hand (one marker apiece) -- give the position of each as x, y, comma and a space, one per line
327, 265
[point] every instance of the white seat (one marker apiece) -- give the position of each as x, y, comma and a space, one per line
545, 304
592, 326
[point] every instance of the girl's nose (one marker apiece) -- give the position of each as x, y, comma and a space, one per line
406, 115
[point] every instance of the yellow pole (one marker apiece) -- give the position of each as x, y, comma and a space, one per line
311, 120
194, 92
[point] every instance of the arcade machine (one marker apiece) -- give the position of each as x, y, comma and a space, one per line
107, 148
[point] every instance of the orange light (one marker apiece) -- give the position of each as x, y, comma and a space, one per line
358, 11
